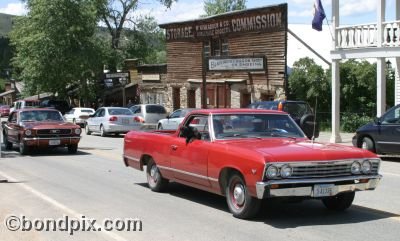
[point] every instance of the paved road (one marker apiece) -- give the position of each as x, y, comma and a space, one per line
95, 183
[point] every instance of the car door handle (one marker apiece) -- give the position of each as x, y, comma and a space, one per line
174, 147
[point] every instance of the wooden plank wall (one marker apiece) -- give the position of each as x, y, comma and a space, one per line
184, 58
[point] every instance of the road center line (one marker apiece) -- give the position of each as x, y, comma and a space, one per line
60, 206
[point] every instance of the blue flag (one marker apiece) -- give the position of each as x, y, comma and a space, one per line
319, 15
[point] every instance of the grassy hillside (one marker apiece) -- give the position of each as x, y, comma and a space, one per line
5, 23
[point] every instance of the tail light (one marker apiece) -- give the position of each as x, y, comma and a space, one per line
113, 118
138, 119
280, 106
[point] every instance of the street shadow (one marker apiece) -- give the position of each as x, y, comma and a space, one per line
58, 151
283, 213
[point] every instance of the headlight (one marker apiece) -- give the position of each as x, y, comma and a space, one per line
366, 167
286, 171
77, 131
272, 172
28, 132
356, 168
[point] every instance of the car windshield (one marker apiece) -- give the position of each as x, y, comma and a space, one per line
32, 103
41, 115
119, 111
87, 111
230, 126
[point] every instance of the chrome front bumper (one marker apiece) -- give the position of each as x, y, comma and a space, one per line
264, 190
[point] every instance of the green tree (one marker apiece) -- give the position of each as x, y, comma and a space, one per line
308, 81
115, 14
146, 41
214, 7
56, 47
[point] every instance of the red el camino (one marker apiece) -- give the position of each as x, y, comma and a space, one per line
248, 155
39, 128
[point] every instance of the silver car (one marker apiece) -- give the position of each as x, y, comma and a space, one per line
111, 120
149, 114
78, 115
174, 119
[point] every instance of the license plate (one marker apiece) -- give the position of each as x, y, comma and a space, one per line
125, 121
54, 142
323, 190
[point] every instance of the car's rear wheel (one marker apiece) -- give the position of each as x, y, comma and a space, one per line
72, 149
339, 202
8, 145
87, 130
102, 131
23, 149
240, 203
74, 121
368, 144
154, 178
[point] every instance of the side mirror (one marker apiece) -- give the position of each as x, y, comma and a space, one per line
190, 133
377, 120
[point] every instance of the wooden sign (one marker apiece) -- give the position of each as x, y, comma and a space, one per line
236, 63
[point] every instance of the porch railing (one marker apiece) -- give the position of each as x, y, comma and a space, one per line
366, 35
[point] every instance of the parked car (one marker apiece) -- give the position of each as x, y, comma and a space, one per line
33, 128
381, 136
300, 111
149, 114
4, 110
111, 120
22, 104
264, 154
78, 115
60, 105
174, 119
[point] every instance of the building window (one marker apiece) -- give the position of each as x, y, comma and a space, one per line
216, 47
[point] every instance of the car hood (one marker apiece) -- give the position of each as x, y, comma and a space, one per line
366, 126
49, 125
284, 149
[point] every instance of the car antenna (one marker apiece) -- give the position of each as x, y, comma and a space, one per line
315, 119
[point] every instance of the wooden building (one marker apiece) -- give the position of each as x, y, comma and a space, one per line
230, 39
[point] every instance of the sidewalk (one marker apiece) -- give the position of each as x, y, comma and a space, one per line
346, 138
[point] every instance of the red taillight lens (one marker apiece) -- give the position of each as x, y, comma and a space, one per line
113, 118
138, 119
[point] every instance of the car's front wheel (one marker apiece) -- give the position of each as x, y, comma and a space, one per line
240, 203
368, 144
154, 178
72, 149
87, 130
23, 149
8, 145
339, 202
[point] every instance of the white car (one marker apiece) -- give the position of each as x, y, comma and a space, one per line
78, 115
174, 119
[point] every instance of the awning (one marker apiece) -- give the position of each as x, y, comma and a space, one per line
7, 93
216, 80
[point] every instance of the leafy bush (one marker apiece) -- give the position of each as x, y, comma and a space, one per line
350, 122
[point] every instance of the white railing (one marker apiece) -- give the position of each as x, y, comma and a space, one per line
366, 35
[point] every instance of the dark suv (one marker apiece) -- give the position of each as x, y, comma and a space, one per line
60, 105
300, 111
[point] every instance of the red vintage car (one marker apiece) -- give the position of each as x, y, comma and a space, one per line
35, 128
248, 155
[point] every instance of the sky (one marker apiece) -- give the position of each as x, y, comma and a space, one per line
300, 14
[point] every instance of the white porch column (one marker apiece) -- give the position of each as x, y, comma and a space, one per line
381, 87
335, 137
397, 64
381, 64
397, 80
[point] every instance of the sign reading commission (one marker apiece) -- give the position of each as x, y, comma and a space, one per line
266, 19
236, 63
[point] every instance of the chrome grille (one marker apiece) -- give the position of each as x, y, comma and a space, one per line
54, 132
319, 169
